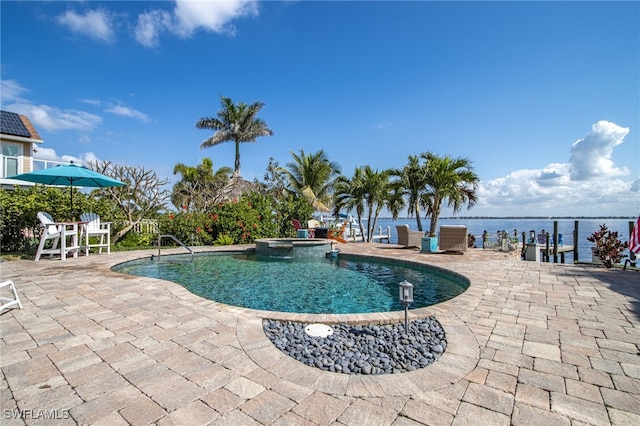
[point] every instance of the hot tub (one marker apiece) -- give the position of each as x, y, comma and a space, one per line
298, 248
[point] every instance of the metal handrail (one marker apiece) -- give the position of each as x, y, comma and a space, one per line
160, 237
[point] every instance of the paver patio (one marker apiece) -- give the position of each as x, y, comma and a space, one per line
529, 343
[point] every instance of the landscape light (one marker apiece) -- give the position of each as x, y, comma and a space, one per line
406, 297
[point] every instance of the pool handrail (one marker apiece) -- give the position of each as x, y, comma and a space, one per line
160, 237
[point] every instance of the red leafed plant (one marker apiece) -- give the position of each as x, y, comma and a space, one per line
608, 247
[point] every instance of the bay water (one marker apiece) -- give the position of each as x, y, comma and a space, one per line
477, 226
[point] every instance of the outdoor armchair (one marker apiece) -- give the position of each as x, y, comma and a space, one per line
453, 238
408, 237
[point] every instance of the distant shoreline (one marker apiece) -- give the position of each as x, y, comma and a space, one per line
522, 217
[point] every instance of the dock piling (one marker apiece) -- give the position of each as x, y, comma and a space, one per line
575, 241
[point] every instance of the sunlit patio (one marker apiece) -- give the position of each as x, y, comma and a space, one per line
528, 343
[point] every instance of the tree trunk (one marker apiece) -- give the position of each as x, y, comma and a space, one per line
375, 222
362, 230
121, 233
435, 213
369, 228
124, 231
418, 220
236, 171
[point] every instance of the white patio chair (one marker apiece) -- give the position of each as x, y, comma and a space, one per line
57, 232
9, 302
92, 227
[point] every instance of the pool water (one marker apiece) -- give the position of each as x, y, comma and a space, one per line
330, 286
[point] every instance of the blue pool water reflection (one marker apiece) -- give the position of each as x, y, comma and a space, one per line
349, 284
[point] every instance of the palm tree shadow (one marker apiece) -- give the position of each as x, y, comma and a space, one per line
625, 283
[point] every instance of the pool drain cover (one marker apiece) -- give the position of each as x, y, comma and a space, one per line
318, 330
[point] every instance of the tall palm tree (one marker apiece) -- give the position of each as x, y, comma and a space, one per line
450, 179
237, 123
312, 176
413, 179
199, 186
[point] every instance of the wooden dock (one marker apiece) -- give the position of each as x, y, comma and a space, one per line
552, 251
547, 247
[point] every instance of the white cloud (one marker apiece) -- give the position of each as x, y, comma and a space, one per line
94, 102
128, 112
588, 185
591, 156
150, 26
89, 157
55, 119
189, 16
49, 154
11, 91
45, 117
97, 24
211, 15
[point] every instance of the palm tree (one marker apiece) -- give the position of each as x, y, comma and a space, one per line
312, 176
412, 178
237, 123
451, 179
368, 190
349, 194
200, 186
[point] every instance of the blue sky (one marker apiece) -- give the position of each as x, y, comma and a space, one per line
542, 97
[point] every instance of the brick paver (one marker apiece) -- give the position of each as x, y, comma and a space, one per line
529, 343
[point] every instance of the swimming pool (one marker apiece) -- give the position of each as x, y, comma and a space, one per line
348, 284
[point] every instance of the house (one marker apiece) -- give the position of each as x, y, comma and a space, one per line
19, 140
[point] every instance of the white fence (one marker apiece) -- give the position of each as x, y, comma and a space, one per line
146, 226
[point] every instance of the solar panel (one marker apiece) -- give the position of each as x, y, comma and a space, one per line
11, 124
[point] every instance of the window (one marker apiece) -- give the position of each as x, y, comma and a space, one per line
11, 157
38, 165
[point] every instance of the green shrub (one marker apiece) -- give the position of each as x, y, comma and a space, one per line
241, 221
244, 220
291, 207
193, 229
133, 240
223, 240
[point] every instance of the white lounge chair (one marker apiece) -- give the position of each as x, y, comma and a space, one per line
9, 302
92, 227
57, 232
313, 223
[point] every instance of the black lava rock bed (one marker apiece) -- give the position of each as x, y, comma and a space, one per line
357, 349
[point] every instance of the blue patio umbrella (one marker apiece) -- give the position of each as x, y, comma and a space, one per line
69, 175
